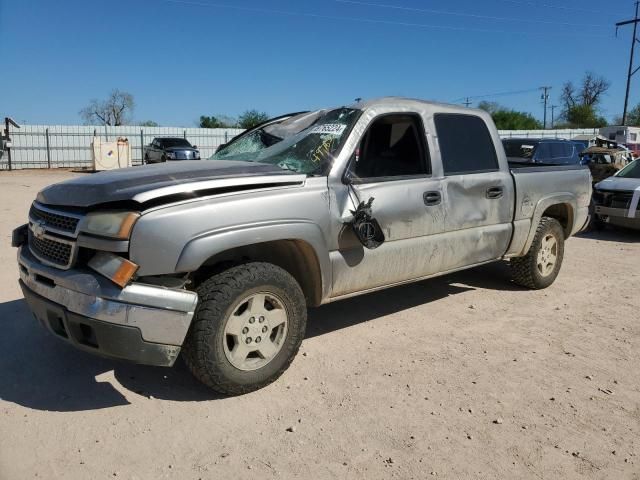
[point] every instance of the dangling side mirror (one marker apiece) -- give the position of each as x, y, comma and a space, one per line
365, 227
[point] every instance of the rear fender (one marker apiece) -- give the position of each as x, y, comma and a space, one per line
542, 206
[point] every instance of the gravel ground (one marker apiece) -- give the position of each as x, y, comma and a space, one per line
464, 376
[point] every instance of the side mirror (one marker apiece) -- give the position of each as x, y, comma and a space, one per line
365, 227
194, 146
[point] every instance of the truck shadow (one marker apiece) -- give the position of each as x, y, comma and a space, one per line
621, 235
43, 373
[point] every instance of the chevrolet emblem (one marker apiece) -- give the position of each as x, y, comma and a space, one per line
38, 229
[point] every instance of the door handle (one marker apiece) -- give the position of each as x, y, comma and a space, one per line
494, 192
431, 198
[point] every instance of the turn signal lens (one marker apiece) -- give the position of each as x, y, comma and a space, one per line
117, 269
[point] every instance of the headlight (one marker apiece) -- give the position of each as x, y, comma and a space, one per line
110, 224
171, 155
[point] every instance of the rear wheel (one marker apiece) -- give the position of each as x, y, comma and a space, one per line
248, 327
541, 265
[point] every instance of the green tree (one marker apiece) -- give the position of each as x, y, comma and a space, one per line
633, 117
251, 118
213, 122
584, 116
507, 119
581, 103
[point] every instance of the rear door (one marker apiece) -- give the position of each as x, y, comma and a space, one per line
478, 191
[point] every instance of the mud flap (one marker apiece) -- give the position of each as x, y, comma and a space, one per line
365, 227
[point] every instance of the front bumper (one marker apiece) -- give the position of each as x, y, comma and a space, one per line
142, 323
618, 216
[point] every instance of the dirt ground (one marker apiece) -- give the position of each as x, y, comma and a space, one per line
465, 376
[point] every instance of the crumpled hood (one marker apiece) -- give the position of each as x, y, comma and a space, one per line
618, 183
148, 182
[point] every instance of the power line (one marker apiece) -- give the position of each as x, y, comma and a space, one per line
500, 94
558, 7
376, 21
470, 15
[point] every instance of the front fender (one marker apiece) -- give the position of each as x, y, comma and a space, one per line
198, 250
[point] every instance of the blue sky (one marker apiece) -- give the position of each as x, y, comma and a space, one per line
184, 58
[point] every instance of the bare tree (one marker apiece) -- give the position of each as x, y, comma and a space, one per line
593, 87
115, 110
589, 93
568, 95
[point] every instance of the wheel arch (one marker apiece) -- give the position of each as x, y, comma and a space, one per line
298, 248
562, 207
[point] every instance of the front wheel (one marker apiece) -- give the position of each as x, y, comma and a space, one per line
248, 327
540, 266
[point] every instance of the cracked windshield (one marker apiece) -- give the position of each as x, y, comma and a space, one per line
309, 151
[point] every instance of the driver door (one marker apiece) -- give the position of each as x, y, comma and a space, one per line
392, 166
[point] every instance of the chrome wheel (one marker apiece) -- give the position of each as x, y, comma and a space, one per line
547, 255
256, 330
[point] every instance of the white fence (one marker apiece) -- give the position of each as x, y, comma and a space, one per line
69, 146
565, 133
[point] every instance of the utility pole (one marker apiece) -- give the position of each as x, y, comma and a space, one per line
467, 103
545, 98
553, 109
631, 72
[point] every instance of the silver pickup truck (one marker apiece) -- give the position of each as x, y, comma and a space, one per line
219, 259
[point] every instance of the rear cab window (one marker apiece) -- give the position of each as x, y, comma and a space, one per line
465, 143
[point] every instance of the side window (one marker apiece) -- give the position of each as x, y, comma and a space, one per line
568, 151
466, 145
393, 146
543, 153
557, 151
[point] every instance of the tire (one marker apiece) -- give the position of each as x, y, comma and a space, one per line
163, 158
222, 328
146, 159
534, 270
596, 224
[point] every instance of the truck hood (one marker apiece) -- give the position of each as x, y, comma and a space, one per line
150, 182
618, 183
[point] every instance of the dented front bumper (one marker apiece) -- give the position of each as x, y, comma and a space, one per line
142, 323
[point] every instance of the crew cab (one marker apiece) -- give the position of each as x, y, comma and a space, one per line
220, 259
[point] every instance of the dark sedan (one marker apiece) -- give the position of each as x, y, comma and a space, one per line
170, 148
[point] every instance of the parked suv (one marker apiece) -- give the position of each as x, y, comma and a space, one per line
170, 148
543, 151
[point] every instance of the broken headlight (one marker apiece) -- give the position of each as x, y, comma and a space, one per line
110, 224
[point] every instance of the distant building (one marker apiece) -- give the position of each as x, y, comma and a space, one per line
629, 136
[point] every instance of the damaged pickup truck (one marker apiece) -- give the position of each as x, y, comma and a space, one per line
220, 259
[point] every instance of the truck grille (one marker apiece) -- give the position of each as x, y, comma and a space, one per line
57, 252
52, 235
53, 220
613, 199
